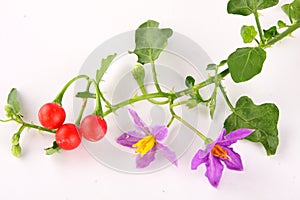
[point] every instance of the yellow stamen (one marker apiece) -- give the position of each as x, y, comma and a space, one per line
144, 145
217, 151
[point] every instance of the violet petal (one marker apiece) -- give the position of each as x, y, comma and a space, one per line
159, 132
214, 169
234, 162
167, 153
127, 140
142, 162
234, 136
221, 136
199, 158
136, 134
138, 122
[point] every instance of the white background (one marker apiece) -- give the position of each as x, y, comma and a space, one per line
44, 43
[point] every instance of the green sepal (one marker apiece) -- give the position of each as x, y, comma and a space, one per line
51, 150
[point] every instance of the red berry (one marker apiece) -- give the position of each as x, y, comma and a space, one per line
51, 115
93, 128
68, 137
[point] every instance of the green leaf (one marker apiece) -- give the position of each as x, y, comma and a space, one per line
211, 66
245, 63
270, 33
292, 10
9, 111
223, 62
105, 63
150, 41
247, 7
191, 103
262, 118
12, 101
212, 103
189, 81
85, 95
54, 149
195, 96
281, 24
248, 33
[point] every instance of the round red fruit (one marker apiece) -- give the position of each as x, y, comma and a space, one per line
51, 115
93, 128
68, 136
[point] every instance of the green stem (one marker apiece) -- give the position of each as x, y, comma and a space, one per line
108, 104
170, 121
136, 99
84, 102
144, 92
202, 84
201, 135
5, 120
164, 94
282, 35
40, 128
98, 109
155, 77
259, 27
226, 98
58, 98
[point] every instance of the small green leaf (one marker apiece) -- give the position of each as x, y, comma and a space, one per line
262, 118
16, 150
195, 96
138, 73
245, 63
105, 63
85, 95
247, 7
292, 10
54, 149
150, 41
248, 33
281, 24
223, 62
12, 100
211, 66
189, 81
212, 104
9, 111
191, 103
270, 33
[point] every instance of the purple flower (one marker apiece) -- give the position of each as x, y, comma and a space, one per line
146, 140
218, 151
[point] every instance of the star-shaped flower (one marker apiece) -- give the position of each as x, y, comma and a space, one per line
147, 142
219, 151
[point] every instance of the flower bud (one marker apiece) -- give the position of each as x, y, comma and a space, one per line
138, 73
16, 150
15, 139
